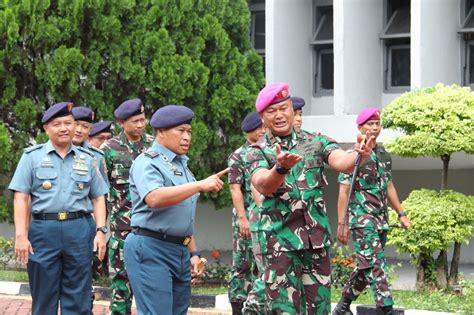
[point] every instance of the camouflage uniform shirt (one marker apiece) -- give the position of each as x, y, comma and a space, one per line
119, 154
369, 200
294, 216
238, 174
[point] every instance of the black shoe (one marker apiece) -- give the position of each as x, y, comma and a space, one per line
386, 310
343, 307
237, 307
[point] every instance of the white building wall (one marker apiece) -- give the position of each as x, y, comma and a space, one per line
436, 45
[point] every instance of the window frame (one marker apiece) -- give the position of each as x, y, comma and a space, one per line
388, 67
320, 47
256, 8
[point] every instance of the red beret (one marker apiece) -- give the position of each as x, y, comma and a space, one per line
367, 114
271, 94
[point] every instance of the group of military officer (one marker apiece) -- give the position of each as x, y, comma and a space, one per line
281, 231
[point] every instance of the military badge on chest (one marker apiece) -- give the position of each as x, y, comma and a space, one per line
79, 165
47, 163
172, 168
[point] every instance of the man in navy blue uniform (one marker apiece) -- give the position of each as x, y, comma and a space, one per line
58, 180
160, 253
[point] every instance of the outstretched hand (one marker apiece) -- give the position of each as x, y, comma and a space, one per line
213, 183
365, 144
286, 159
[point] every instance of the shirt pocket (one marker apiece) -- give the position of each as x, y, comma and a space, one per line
313, 172
368, 175
120, 174
81, 183
47, 179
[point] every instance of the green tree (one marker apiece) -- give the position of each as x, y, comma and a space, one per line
435, 121
98, 53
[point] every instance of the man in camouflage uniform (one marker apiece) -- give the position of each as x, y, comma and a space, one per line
368, 220
244, 271
293, 228
119, 152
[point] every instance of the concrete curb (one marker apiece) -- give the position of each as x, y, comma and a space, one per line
219, 302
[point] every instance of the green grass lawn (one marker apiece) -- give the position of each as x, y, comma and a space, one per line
425, 300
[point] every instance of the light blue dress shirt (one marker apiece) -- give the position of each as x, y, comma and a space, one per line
56, 184
155, 168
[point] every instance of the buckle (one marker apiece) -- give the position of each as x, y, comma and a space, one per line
63, 215
186, 240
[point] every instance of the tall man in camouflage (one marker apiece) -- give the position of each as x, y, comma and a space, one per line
368, 220
119, 152
244, 270
293, 228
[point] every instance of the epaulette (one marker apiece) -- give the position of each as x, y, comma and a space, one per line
151, 153
96, 150
85, 151
33, 148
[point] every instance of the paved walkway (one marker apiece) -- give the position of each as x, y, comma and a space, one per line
21, 305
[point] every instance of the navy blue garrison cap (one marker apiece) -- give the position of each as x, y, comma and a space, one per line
129, 108
298, 102
83, 113
57, 110
99, 127
251, 122
171, 116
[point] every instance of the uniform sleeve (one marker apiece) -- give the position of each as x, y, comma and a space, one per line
146, 176
22, 180
256, 160
103, 169
236, 169
344, 178
328, 145
108, 160
98, 185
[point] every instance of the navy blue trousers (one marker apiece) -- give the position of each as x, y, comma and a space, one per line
60, 268
160, 275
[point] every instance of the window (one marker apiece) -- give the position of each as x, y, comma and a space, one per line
396, 38
467, 32
257, 27
323, 51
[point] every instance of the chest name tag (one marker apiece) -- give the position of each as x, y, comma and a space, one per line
178, 173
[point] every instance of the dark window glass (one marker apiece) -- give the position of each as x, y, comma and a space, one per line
400, 22
400, 66
259, 29
324, 28
471, 64
327, 71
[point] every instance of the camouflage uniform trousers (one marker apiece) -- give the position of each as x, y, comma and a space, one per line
369, 244
121, 290
255, 303
244, 271
298, 282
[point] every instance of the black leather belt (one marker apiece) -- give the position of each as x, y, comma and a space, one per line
61, 216
163, 237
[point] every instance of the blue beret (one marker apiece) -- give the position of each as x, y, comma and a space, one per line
101, 126
298, 102
83, 113
129, 108
251, 122
171, 116
57, 110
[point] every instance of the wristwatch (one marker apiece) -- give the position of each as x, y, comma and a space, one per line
195, 253
402, 214
102, 229
281, 170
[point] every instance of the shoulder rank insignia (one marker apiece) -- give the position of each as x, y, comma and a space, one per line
91, 148
85, 151
151, 153
33, 148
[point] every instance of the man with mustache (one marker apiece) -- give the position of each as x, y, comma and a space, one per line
161, 254
120, 152
58, 181
368, 220
293, 229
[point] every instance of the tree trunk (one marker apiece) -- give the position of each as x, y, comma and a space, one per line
420, 272
444, 178
453, 273
442, 270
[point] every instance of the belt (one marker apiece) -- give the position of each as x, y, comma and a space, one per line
61, 216
162, 237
